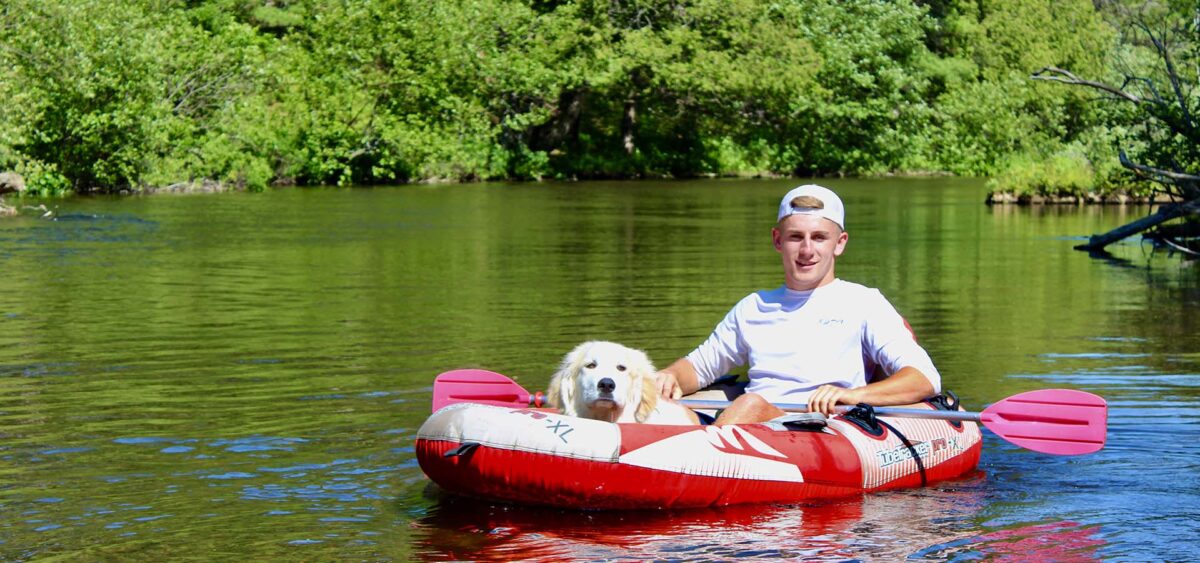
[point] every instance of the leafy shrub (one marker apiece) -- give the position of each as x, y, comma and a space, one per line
1066, 173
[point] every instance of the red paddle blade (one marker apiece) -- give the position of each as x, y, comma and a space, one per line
477, 386
1052, 421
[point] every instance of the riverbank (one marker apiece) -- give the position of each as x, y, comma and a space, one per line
1089, 198
11, 182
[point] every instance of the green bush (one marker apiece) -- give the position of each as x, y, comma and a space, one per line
43, 179
1066, 173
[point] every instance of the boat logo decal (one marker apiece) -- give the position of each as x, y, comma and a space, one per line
727, 438
558, 427
902, 453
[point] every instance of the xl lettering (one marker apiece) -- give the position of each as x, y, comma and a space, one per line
559, 428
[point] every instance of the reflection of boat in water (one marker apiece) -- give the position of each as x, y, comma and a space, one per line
460, 528
931, 523
533, 456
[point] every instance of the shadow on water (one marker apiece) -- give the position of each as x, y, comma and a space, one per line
1108, 257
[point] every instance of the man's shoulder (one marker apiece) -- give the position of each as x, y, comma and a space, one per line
855, 295
851, 288
751, 301
760, 300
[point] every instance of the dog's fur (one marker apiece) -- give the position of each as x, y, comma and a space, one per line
607, 381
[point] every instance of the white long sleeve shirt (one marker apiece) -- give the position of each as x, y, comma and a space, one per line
796, 341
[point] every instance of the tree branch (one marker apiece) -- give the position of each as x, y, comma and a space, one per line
1188, 184
1171, 74
1175, 176
1164, 213
1056, 74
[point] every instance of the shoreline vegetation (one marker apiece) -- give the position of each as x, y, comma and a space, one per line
1089, 198
1112, 197
154, 96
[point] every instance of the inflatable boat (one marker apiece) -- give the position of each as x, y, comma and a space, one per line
484, 441
536, 456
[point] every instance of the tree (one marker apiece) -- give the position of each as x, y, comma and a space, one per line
1167, 103
986, 113
663, 83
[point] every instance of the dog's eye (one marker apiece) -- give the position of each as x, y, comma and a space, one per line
591, 365
620, 367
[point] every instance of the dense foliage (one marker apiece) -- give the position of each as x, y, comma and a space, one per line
108, 95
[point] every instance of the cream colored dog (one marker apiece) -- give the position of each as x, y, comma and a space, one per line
607, 381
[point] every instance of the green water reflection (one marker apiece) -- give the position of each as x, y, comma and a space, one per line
241, 375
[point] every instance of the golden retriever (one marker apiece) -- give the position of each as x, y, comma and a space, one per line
607, 381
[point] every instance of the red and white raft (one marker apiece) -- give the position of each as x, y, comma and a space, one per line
536, 456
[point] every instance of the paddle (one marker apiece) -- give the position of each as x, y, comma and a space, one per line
481, 386
1053, 421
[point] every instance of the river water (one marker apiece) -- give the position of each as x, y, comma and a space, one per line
241, 376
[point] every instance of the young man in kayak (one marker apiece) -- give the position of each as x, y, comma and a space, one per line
813, 339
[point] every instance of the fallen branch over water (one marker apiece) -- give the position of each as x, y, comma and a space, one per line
1164, 213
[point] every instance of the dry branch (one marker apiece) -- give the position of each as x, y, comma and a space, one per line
1164, 213
1055, 74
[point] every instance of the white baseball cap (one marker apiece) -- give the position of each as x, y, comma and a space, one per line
831, 208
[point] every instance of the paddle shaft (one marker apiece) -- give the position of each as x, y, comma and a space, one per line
881, 411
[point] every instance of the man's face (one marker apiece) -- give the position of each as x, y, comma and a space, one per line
808, 245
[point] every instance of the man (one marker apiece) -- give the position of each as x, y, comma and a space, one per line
815, 339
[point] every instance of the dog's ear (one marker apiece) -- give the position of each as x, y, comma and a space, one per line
562, 386
554, 391
649, 392
644, 384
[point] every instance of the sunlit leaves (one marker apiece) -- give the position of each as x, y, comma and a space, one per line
110, 95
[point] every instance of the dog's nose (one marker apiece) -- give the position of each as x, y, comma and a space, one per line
606, 385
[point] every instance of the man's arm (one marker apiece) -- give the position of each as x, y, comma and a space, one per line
678, 379
904, 387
